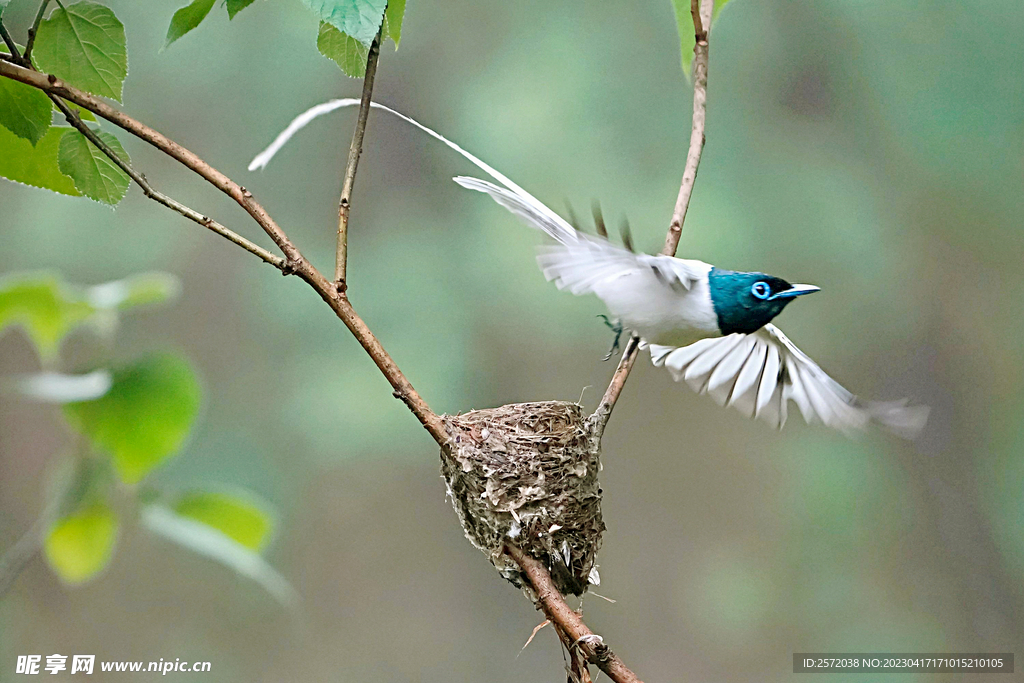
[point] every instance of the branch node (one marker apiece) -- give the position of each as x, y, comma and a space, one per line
290, 266
51, 78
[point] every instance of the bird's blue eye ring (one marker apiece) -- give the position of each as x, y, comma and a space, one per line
761, 290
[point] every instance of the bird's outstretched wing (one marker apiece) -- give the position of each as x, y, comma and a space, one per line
760, 373
581, 263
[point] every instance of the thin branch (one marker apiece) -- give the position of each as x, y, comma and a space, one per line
701, 27
17, 557
567, 620
295, 262
51, 84
75, 120
12, 46
33, 30
354, 151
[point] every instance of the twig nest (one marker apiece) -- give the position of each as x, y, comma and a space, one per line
526, 473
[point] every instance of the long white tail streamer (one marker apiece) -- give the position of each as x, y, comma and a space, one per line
263, 158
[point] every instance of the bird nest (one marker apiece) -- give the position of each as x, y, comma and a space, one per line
526, 474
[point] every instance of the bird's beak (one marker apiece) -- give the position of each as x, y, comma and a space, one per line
796, 290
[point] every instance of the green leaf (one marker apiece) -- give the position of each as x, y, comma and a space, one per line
187, 18
237, 517
79, 546
135, 290
684, 21
236, 6
347, 52
36, 166
393, 17
24, 111
84, 44
359, 19
144, 418
43, 307
92, 171
209, 542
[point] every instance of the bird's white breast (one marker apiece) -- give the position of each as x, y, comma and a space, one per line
658, 312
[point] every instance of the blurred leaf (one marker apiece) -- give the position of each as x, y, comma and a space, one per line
57, 387
344, 50
135, 290
237, 517
144, 418
24, 110
187, 18
80, 545
393, 17
84, 44
94, 174
211, 543
359, 19
684, 21
36, 166
236, 6
40, 304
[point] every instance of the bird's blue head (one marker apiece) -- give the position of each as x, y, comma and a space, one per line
746, 302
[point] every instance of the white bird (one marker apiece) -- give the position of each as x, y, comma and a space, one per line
710, 327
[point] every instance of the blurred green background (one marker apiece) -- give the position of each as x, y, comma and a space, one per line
873, 148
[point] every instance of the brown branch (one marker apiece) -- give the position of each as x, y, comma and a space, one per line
34, 29
294, 262
701, 27
75, 120
51, 84
354, 151
567, 620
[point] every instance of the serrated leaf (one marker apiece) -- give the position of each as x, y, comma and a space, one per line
144, 418
84, 45
36, 166
238, 517
135, 290
684, 22
393, 17
209, 542
236, 6
344, 50
43, 307
359, 19
187, 18
79, 546
24, 110
92, 171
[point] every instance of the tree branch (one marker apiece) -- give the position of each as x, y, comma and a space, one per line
12, 46
75, 120
51, 84
567, 620
295, 262
354, 151
34, 29
701, 27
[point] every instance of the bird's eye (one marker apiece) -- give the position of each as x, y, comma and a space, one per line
761, 290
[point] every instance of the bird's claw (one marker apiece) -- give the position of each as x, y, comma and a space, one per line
615, 327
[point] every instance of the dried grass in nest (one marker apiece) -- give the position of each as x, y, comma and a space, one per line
526, 473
